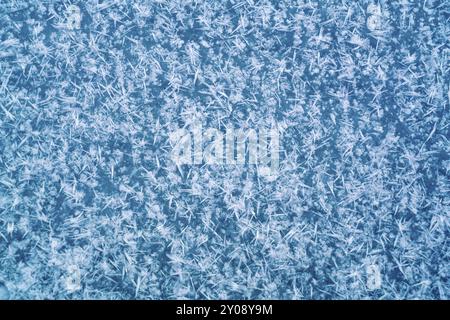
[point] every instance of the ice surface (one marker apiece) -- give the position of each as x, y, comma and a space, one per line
92, 206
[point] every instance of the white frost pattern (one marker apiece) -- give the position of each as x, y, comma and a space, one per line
93, 207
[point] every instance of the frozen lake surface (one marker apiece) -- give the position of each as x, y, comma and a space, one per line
92, 206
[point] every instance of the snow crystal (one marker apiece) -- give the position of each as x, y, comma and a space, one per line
93, 94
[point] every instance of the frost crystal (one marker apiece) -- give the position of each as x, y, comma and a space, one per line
94, 95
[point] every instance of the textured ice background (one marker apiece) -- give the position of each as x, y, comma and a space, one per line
91, 205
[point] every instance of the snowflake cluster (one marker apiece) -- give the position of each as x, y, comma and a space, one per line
93, 207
